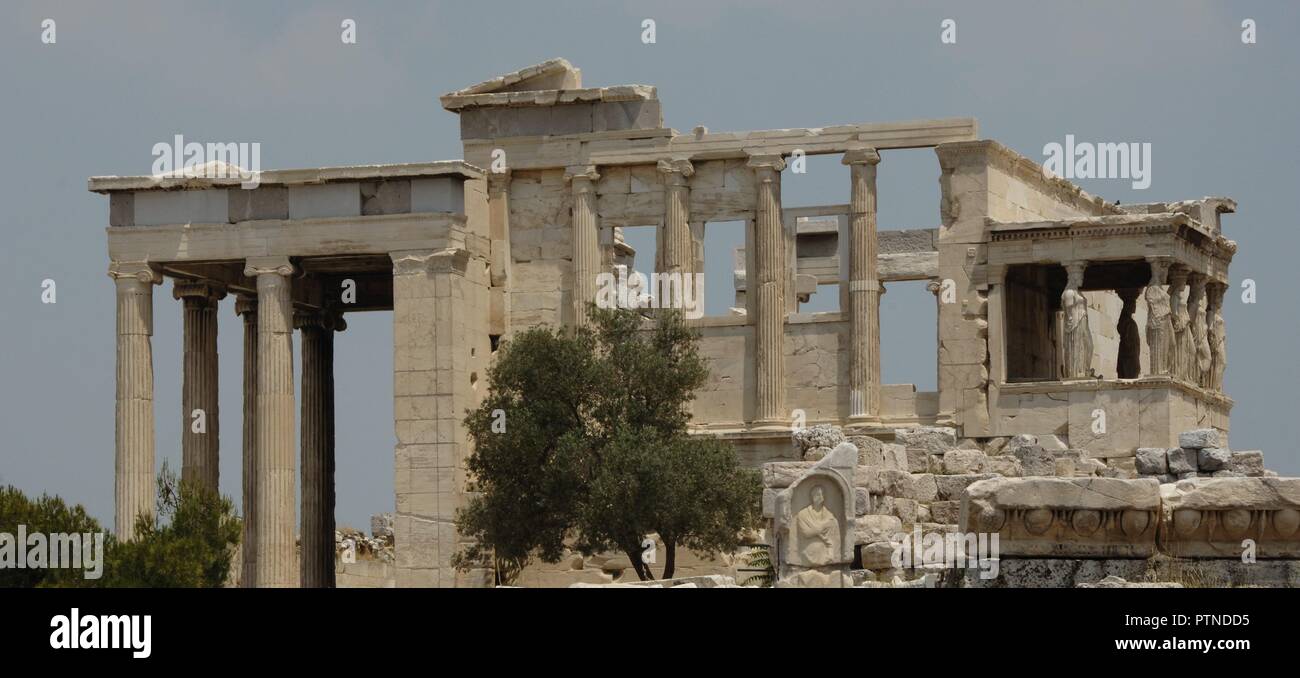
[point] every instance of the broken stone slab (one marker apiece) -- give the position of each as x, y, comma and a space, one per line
1200, 438
1152, 461
869, 529
1247, 462
1213, 458
1065, 517
957, 462
1005, 466
1117, 582
1035, 461
1181, 460
779, 474
931, 439
821, 435
880, 482
1212, 517
924, 487
951, 487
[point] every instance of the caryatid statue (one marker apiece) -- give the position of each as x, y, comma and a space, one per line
1160, 328
1078, 336
1184, 345
817, 532
1197, 307
1218, 336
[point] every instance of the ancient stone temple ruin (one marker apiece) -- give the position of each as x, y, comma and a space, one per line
1077, 339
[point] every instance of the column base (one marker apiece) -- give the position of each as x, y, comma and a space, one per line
770, 425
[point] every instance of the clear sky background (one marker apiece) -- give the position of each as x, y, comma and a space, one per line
1221, 117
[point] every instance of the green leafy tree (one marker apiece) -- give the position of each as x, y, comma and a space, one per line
582, 440
47, 515
188, 543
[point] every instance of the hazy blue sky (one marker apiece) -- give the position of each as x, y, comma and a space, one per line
1221, 117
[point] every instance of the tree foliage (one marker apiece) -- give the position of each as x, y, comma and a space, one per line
188, 543
47, 515
582, 441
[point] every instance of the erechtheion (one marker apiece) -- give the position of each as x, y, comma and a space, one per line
1077, 339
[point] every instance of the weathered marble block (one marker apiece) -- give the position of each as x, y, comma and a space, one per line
1065, 517
1212, 517
1200, 438
1152, 461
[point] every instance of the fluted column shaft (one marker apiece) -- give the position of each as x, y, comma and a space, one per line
678, 246
317, 442
769, 290
246, 307
133, 492
586, 239
275, 422
864, 286
200, 419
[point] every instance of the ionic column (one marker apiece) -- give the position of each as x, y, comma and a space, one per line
133, 492
864, 286
1078, 336
200, 420
317, 441
768, 288
1184, 345
276, 555
1128, 362
1218, 336
678, 245
246, 307
1199, 364
1160, 328
586, 239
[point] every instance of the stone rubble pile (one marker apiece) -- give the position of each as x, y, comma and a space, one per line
378, 546
1202, 453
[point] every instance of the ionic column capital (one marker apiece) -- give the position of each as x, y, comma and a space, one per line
675, 172
323, 319
765, 162
198, 289
861, 156
140, 270
581, 175
281, 266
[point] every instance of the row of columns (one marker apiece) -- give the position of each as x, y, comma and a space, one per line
769, 281
269, 466
1186, 338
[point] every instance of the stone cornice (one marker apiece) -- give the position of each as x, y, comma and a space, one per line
289, 177
411, 262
